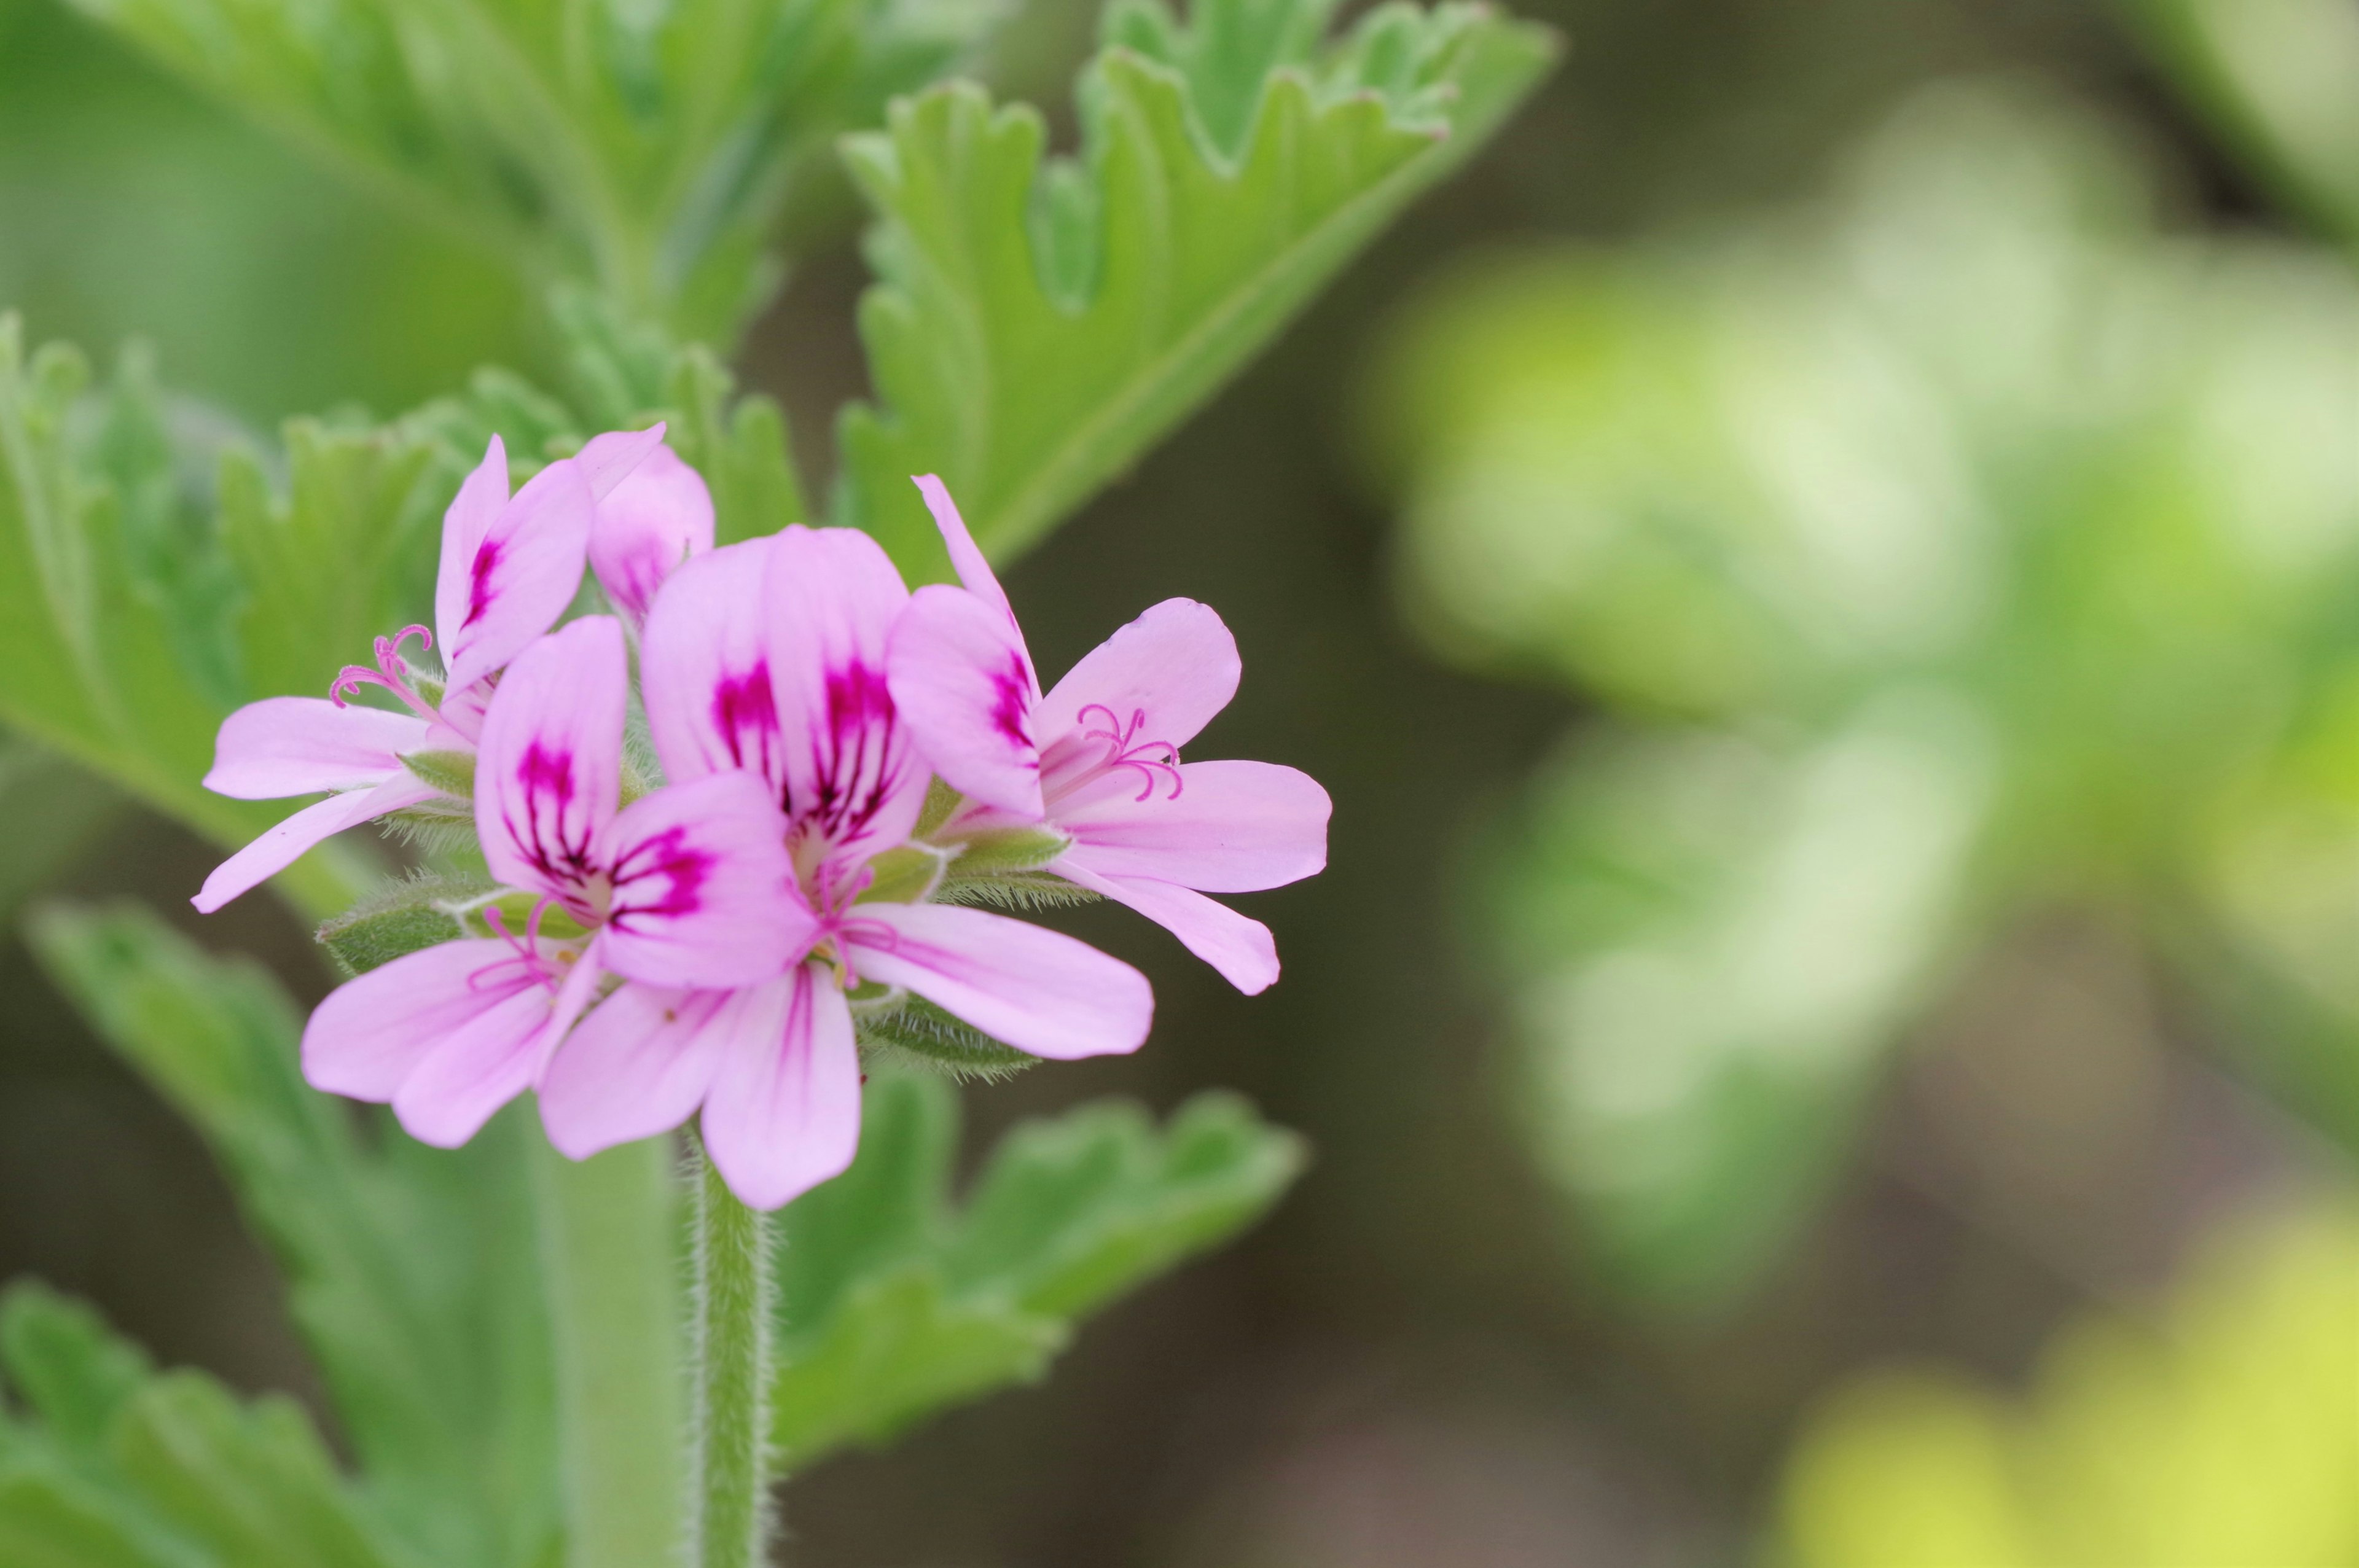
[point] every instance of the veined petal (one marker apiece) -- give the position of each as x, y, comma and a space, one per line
473, 1070
640, 1064
1036, 990
770, 656
657, 517
608, 460
704, 668
704, 890
962, 683
466, 525
783, 1113
524, 572
1231, 828
548, 774
1157, 681
1242, 950
281, 846
371, 1032
967, 556
301, 745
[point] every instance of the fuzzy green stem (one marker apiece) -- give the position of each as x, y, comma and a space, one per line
607, 1229
731, 1297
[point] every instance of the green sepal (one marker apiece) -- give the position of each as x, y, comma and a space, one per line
916, 1033
904, 875
1008, 849
1016, 890
403, 918
452, 773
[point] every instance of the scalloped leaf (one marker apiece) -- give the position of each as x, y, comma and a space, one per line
1038, 326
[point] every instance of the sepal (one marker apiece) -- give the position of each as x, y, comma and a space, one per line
452, 773
916, 1033
406, 917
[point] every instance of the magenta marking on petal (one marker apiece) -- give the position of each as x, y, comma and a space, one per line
1012, 701
547, 781
742, 708
669, 858
858, 758
479, 584
1124, 751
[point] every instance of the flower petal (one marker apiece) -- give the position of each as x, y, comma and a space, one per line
650, 523
466, 525
787, 679
1036, 990
783, 1113
548, 774
473, 1070
1242, 950
608, 460
640, 1064
704, 890
372, 1032
962, 683
967, 556
1233, 828
522, 574
1158, 680
281, 846
301, 745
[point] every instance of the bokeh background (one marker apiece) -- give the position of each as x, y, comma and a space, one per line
1822, 576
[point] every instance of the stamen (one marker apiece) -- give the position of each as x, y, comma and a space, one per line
391, 673
1122, 754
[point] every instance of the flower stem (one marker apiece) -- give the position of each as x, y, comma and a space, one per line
608, 1230
729, 1442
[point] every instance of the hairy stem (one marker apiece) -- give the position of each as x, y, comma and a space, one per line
607, 1229
729, 1432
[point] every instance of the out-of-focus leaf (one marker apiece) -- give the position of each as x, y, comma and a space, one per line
412, 1272
894, 1303
2222, 1432
2276, 75
1038, 326
1974, 437
124, 1466
52, 809
1717, 943
646, 150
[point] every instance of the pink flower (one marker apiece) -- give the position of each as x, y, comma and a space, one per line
1097, 759
770, 656
510, 566
654, 520
689, 886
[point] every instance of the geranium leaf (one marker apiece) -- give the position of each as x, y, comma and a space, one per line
1036, 327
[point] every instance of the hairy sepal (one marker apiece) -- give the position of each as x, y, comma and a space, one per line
920, 1035
404, 917
452, 773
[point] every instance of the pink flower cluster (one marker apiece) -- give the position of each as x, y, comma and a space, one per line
701, 950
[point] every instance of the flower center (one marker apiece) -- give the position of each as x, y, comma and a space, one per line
1154, 760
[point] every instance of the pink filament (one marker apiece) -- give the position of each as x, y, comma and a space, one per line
391, 672
1123, 751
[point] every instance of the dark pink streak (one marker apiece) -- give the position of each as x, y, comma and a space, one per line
857, 754
1012, 701
479, 586
743, 707
675, 873
547, 781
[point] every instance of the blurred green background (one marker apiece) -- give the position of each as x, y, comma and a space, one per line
1822, 574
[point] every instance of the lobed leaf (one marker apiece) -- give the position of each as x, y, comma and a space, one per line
1036, 326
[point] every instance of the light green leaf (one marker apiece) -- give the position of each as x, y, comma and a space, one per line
411, 1271
65, 1365
894, 1303
1038, 327
647, 150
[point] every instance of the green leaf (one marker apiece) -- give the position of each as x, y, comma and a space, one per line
68, 1367
52, 809
412, 1272
650, 151
895, 1303
1038, 327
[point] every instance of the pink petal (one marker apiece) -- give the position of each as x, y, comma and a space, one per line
1036, 990
548, 774
1234, 827
787, 679
962, 683
301, 745
654, 520
371, 1032
465, 526
704, 890
608, 460
473, 1070
973, 571
640, 1064
1159, 680
462, 712
281, 846
522, 574
1242, 950
783, 1113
